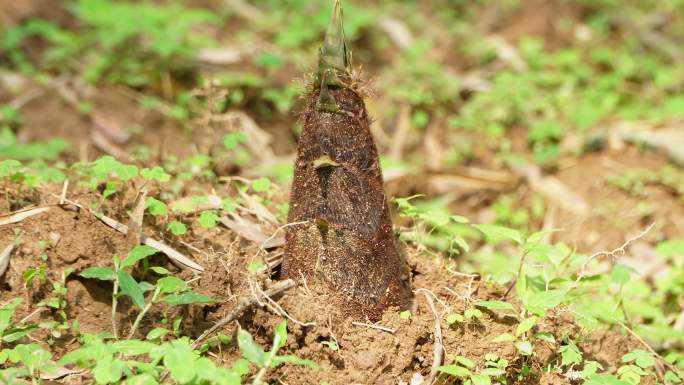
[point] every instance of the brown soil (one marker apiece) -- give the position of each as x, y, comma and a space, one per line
78, 240
552, 21
50, 116
366, 355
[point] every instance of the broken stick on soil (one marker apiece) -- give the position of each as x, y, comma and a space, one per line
614, 254
5, 258
245, 304
178, 258
648, 347
371, 326
438, 351
21, 215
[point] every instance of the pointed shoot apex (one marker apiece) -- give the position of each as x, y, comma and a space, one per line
334, 51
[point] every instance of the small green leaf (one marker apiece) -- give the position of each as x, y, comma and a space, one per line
160, 270
472, 313
101, 273
294, 360
133, 347
228, 204
155, 173
256, 266
187, 298
468, 363
261, 185
250, 350
545, 336
504, 337
208, 219
671, 377
16, 334
177, 228
498, 233
525, 348
493, 372
145, 286
460, 219
591, 368
406, 314
480, 379
455, 370
621, 274
454, 317
538, 303
141, 379
171, 284
642, 358
537, 237
155, 207
108, 370
130, 288
9, 167
491, 357
7, 312
420, 119
525, 325
331, 344
495, 305
240, 366
605, 380
280, 338
179, 360
231, 140
138, 253
127, 171
570, 354
157, 333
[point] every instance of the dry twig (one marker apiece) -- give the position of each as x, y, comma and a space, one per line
5, 258
613, 254
21, 215
65, 188
250, 231
213, 202
397, 31
650, 349
438, 351
402, 131
176, 256
371, 326
551, 188
137, 215
105, 145
245, 304
273, 305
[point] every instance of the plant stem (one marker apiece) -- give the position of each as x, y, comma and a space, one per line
515, 281
115, 294
264, 369
262, 372
142, 314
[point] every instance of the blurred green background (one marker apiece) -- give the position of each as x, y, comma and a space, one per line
536, 71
